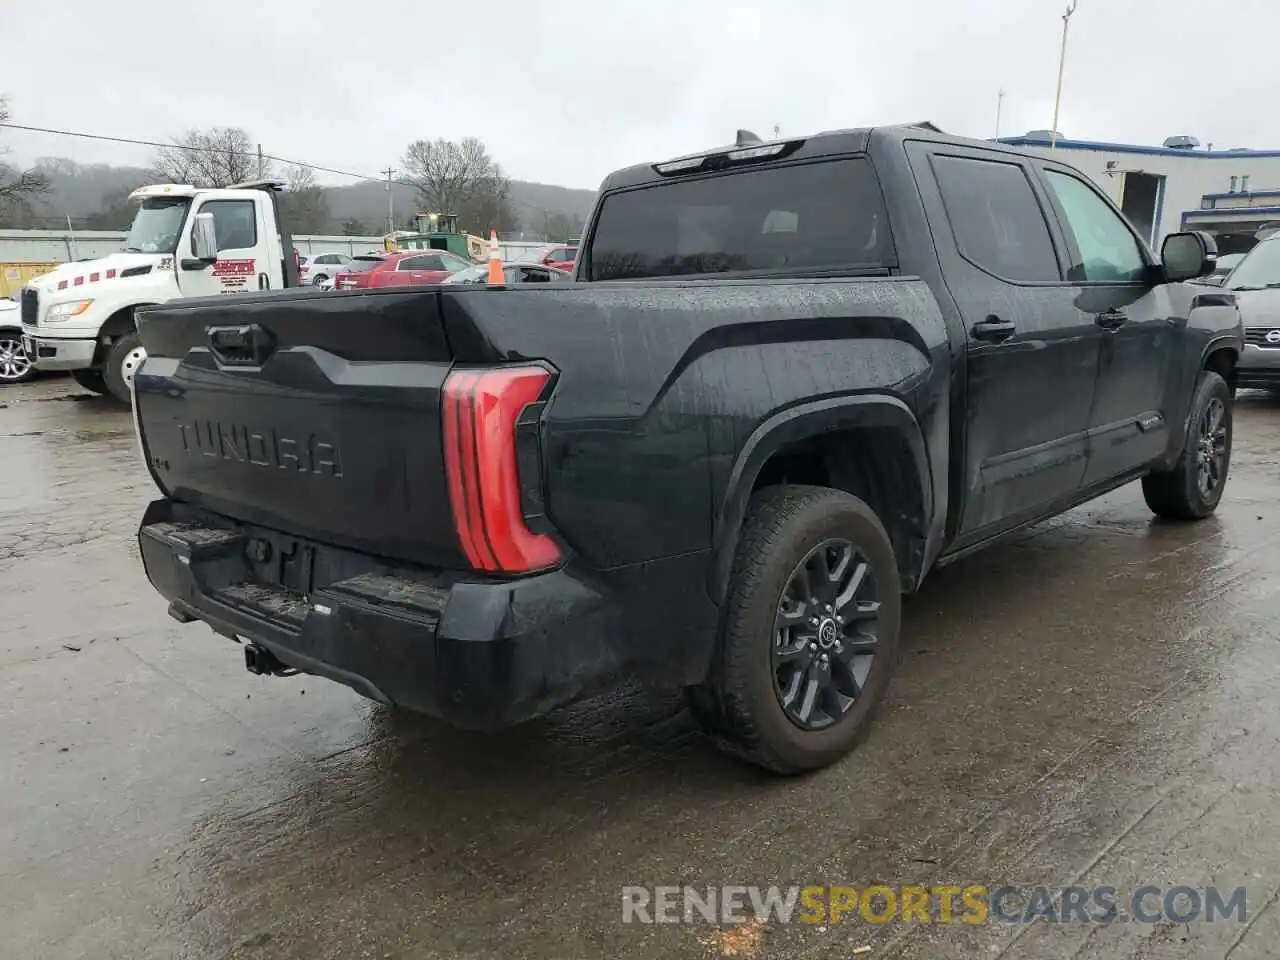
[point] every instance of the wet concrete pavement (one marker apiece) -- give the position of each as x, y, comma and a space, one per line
1093, 704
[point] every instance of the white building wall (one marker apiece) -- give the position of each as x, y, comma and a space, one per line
1187, 178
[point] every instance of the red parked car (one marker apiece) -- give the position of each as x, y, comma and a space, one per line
562, 258
407, 268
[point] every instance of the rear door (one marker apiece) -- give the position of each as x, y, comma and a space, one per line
1031, 358
415, 270
244, 259
1116, 290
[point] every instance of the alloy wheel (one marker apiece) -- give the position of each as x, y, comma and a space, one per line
14, 362
824, 635
1211, 453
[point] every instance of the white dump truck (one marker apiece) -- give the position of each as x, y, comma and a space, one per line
184, 242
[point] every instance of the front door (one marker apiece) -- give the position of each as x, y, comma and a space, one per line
1031, 360
243, 263
1117, 289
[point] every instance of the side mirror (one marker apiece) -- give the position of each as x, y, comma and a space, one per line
1187, 256
204, 238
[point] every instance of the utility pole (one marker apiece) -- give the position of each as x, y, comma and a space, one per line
999, 105
391, 210
1062, 61
777, 131
262, 167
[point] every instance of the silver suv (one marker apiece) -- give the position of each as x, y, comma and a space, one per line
1256, 283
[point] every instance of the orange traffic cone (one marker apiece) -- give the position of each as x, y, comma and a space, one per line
495, 259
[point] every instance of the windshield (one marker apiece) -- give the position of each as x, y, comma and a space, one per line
157, 225
815, 216
1260, 268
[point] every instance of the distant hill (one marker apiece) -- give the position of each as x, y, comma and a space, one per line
92, 195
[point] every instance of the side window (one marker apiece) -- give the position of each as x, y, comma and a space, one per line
413, 263
998, 223
234, 223
534, 275
1108, 250
431, 262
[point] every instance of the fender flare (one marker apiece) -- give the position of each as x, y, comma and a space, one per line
1224, 341
796, 423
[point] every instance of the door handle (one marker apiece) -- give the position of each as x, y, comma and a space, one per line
1111, 319
993, 329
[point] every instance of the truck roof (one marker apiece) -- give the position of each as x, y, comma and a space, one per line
824, 143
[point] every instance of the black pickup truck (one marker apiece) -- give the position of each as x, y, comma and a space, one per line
789, 380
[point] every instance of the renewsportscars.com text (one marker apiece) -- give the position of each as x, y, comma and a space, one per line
942, 904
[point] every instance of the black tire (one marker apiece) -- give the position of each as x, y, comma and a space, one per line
15, 365
91, 380
118, 366
1178, 494
319, 279
741, 703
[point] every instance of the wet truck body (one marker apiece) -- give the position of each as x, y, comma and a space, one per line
483, 503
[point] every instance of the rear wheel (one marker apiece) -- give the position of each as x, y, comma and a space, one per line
91, 380
121, 363
15, 365
1193, 488
809, 636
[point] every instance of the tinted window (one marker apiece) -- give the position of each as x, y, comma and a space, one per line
234, 223
428, 262
998, 224
360, 264
802, 217
1260, 267
1108, 250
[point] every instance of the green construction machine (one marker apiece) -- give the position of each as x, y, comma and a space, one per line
438, 231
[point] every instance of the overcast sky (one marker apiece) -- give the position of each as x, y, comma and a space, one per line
564, 92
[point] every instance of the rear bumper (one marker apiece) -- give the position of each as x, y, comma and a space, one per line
52, 353
477, 654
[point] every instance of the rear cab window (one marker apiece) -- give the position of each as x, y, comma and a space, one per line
822, 216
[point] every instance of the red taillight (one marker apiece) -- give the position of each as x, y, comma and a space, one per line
481, 408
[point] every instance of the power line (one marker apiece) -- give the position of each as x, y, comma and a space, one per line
253, 154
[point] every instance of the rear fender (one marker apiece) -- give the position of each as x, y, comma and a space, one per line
803, 422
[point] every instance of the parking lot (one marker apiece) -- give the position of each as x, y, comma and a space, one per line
1092, 704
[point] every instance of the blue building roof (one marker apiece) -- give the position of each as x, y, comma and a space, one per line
1024, 141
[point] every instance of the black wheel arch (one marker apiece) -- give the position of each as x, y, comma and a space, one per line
822, 429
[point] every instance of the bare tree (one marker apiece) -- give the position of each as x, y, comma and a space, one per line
304, 204
18, 188
217, 157
460, 178
559, 227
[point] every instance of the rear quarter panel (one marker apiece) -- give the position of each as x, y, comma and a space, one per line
662, 385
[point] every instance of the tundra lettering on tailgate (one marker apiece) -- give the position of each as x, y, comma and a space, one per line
261, 447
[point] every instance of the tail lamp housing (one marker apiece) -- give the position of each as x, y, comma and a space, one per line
486, 423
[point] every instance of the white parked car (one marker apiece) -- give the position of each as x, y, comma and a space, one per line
15, 366
320, 268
